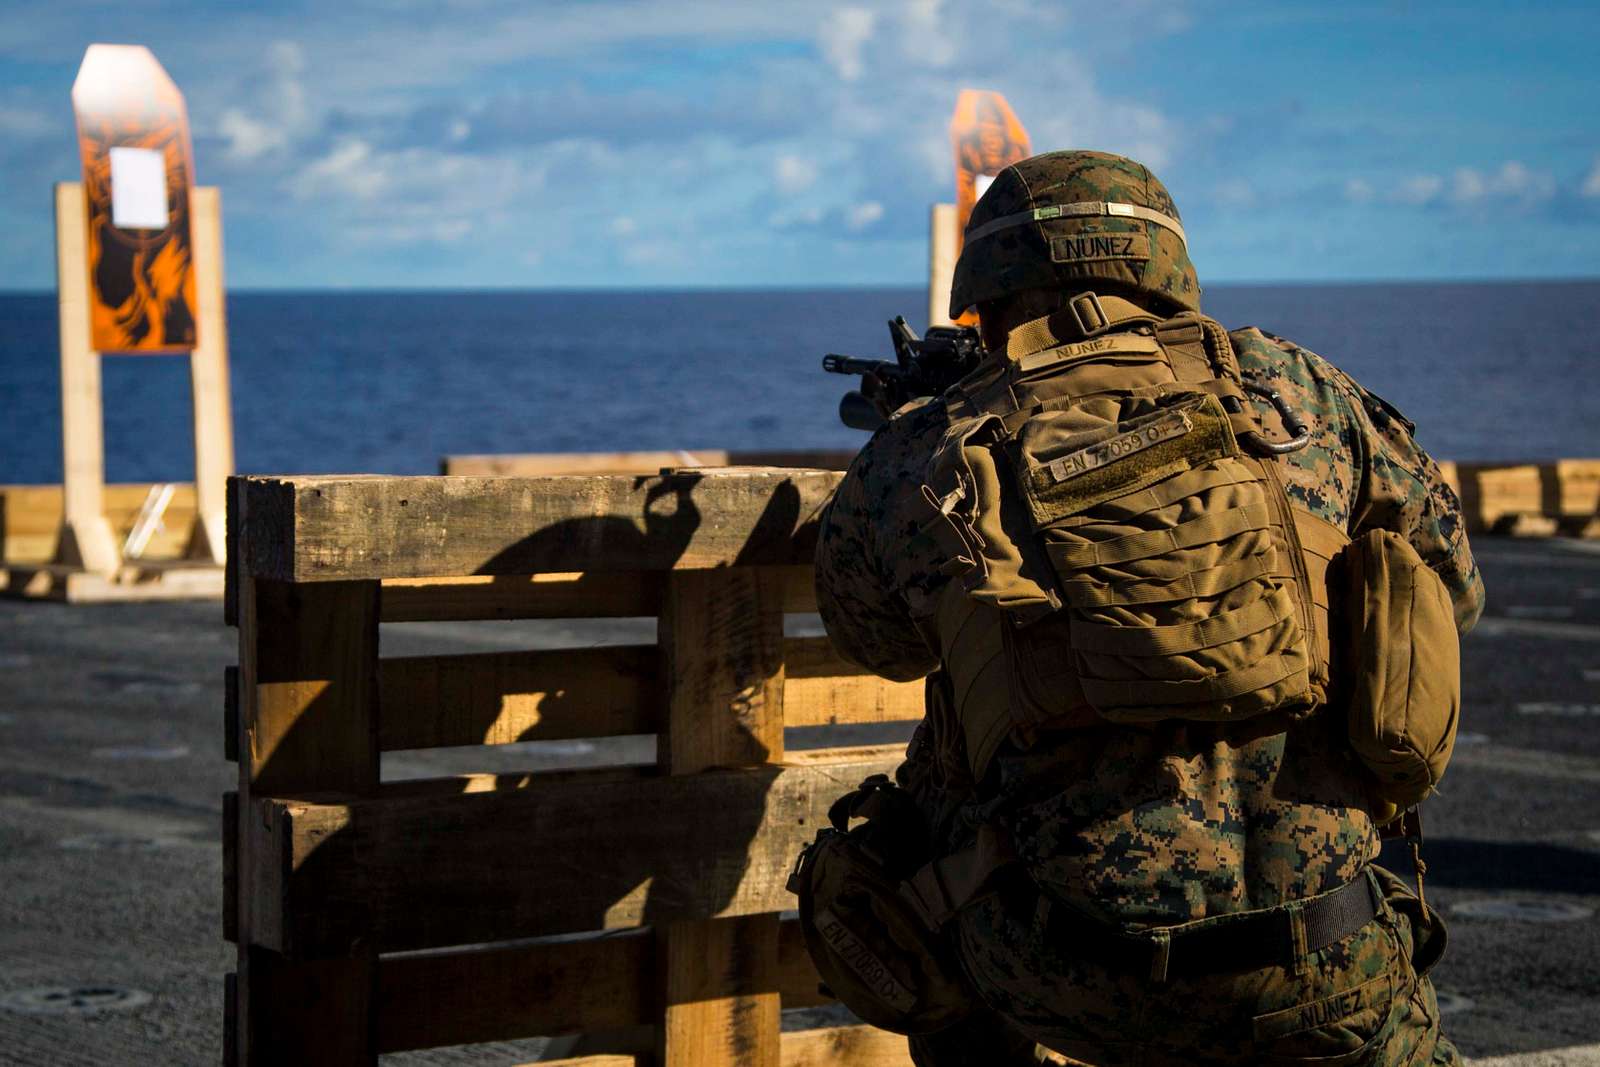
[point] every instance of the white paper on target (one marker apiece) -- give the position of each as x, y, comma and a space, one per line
138, 189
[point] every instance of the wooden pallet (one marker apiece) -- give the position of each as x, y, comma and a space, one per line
637, 905
30, 533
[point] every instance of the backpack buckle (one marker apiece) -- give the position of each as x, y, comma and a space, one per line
1091, 317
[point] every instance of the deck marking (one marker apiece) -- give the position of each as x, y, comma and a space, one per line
1534, 763
1522, 911
1556, 631
1559, 710
1572, 1056
1539, 611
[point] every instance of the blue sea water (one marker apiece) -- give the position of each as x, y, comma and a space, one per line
388, 382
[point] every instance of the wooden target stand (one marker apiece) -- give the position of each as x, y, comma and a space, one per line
89, 564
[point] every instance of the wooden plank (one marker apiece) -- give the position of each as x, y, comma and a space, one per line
845, 1046
30, 520
308, 682
496, 698
622, 594
208, 373
341, 528
720, 985
134, 581
1580, 486
723, 669
424, 871
523, 596
589, 984
944, 246
310, 694
824, 689
603, 982
86, 540
721, 635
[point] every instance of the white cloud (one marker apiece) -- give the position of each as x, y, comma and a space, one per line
1420, 189
1512, 182
1591, 184
862, 215
794, 174
278, 114
1511, 185
23, 122
1359, 191
624, 226
348, 171
1234, 193
925, 33
842, 37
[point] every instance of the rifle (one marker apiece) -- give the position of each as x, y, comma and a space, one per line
923, 366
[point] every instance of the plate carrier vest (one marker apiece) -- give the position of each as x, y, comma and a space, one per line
1118, 546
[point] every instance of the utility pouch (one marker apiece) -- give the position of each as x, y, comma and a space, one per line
872, 944
1404, 664
1169, 547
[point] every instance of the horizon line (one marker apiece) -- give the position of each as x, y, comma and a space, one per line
842, 287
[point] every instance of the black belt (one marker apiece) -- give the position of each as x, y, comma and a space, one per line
1249, 942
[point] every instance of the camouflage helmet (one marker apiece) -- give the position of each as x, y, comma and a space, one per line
1059, 219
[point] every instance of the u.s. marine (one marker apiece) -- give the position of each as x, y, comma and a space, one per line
1112, 552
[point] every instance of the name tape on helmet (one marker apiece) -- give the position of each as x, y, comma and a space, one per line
1080, 209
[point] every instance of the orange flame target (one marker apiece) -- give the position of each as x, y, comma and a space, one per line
987, 138
141, 280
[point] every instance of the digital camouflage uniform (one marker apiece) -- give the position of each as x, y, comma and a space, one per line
1150, 826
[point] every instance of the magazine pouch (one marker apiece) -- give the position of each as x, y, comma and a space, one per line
1168, 545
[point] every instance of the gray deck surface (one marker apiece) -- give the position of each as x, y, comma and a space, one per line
111, 774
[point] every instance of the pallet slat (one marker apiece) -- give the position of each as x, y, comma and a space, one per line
583, 985
341, 528
423, 871
845, 1046
588, 984
825, 689
619, 595
496, 698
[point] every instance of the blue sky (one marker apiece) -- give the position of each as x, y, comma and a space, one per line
505, 143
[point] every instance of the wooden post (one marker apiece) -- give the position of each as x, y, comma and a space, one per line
208, 371
721, 637
86, 539
308, 667
943, 248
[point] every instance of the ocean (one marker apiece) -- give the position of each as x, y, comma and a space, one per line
388, 382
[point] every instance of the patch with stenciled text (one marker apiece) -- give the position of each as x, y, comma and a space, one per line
1317, 1014
1088, 247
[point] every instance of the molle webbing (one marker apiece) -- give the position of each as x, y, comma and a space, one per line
1178, 576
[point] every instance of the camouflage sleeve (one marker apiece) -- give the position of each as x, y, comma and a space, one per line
1402, 489
866, 618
